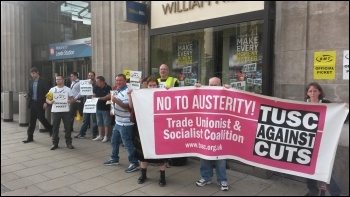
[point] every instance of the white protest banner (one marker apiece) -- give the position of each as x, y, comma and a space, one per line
286, 136
135, 78
85, 87
346, 65
60, 103
90, 105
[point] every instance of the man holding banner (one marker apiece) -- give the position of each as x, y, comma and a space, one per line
206, 168
165, 81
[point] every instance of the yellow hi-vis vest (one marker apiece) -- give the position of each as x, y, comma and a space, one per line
170, 81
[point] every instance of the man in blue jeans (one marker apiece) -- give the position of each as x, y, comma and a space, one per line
102, 91
206, 168
123, 128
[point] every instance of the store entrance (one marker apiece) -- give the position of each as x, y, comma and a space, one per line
66, 67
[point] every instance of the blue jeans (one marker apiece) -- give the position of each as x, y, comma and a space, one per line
125, 133
332, 187
206, 169
86, 122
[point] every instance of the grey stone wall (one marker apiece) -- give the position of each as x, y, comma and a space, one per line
116, 44
301, 29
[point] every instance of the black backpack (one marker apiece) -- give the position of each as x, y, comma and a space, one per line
180, 161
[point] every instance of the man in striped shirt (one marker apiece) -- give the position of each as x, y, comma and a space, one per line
123, 128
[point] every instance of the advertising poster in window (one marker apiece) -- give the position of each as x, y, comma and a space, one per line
245, 57
186, 62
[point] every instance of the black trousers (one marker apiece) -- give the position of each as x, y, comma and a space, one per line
37, 112
57, 117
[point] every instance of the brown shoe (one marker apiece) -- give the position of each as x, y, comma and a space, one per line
53, 147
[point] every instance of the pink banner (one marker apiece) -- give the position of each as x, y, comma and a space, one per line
219, 122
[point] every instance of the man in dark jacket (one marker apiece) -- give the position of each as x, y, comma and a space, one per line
38, 88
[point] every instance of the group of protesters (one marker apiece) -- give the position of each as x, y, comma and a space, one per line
125, 130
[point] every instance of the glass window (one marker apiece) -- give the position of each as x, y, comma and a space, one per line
78, 10
232, 53
59, 21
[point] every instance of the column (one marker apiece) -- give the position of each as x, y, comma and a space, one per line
15, 47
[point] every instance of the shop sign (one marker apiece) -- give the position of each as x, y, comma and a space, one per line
169, 13
135, 12
70, 49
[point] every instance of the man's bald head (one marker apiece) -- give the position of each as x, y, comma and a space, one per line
164, 71
214, 81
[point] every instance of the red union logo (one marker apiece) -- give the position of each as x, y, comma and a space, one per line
324, 58
52, 51
88, 42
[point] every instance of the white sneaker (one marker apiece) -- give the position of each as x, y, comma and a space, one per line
202, 182
98, 138
104, 139
223, 186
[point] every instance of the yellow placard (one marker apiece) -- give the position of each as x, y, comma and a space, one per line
127, 73
325, 58
324, 65
324, 72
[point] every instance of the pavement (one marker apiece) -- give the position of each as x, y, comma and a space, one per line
33, 169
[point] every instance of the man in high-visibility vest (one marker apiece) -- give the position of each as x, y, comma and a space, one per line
165, 80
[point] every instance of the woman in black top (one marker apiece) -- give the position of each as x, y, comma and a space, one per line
315, 94
152, 82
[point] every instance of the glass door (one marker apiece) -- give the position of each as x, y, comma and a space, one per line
64, 68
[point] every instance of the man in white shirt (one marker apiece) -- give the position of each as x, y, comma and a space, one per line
76, 106
62, 114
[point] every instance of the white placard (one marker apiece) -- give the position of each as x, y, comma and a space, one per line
113, 93
85, 87
162, 84
60, 102
346, 65
90, 105
135, 78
